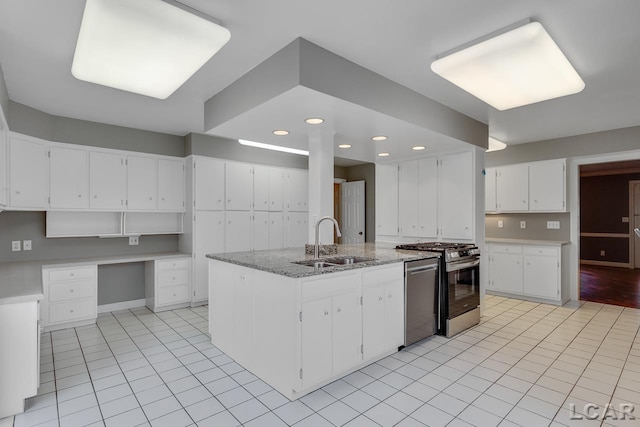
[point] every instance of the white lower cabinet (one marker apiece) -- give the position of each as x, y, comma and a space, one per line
208, 238
168, 283
70, 296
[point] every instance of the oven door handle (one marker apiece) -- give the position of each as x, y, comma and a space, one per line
417, 270
462, 265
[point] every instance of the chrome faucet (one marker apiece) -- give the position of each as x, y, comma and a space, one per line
316, 252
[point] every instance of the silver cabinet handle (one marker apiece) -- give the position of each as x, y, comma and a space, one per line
326, 312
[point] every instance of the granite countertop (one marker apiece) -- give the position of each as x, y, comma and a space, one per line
280, 261
527, 241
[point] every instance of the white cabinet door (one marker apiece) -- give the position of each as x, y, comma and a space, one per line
512, 188
224, 278
209, 229
490, 201
408, 200
106, 181
243, 321
171, 185
347, 331
297, 190
238, 186
3, 165
317, 341
28, 174
276, 189
542, 273
209, 184
394, 310
260, 231
456, 196
142, 183
373, 318
68, 178
238, 232
547, 183
261, 188
297, 229
505, 272
428, 197
387, 200
276, 230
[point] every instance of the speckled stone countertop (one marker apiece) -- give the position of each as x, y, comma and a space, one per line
281, 261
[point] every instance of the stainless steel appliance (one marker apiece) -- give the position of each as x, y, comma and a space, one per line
421, 280
459, 296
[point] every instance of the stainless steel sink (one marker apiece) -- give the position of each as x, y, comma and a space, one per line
332, 262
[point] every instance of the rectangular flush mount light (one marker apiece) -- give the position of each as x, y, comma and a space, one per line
273, 147
148, 47
515, 68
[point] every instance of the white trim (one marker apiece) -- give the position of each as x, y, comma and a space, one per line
614, 235
632, 225
339, 180
604, 263
125, 305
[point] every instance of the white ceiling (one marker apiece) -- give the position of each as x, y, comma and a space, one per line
398, 40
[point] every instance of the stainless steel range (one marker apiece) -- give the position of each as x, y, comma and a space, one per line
459, 295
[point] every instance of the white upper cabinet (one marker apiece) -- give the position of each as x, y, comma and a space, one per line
238, 231
209, 184
106, 181
512, 188
170, 185
68, 178
238, 186
28, 174
547, 183
428, 197
407, 193
490, 201
261, 188
456, 196
298, 190
387, 199
276, 189
297, 229
276, 230
142, 184
260, 231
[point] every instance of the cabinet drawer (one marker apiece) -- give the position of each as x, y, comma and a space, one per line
173, 263
173, 277
77, 289
540, 250
72, 310
173, 294
506, 249
72, 274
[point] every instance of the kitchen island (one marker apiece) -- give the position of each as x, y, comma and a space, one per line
298, 327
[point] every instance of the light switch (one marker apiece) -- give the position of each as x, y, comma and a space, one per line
500, 223
625, 219
553, 225
133, 240
15, 245
26, 245
523, 224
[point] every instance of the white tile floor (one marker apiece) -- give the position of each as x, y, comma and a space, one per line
525, 365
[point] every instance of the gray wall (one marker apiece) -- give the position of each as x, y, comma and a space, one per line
29, 121
4, 95
536, 226
121, 282
366, 173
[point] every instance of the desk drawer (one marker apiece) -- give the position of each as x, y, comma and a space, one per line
72, 274
173, 295
77, 289
173, 278
174, 263
72, 310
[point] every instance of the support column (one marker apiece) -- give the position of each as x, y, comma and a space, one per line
321, 146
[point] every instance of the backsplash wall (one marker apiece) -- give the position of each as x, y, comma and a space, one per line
536, 226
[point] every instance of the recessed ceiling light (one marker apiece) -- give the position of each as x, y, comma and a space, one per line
344, 146
314, 120
273, 147
495, 145
418, 147
518, 67
281, 132
383, 154
147, 47
379, 138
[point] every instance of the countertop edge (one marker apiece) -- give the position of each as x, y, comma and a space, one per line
21, 298
527, 241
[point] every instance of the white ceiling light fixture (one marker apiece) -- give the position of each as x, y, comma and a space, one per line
148, 47
418, 148
314, 120
281, 132
495, 145
519, 67
379, 138
344, 146
383, 154
273, 147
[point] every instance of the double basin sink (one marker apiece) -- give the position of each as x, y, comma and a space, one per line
333, 262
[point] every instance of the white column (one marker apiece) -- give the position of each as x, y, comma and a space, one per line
321, 182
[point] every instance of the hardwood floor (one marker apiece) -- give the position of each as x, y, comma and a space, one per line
610, 285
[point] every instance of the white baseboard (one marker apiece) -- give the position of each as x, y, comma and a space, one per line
605, 263
125, 305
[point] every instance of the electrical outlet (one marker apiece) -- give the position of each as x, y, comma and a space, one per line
523, 224
500, 223
625, 219
133, 240
15, 245
601, 253
553, 225
26, 245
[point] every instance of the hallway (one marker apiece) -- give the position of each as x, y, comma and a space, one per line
610, 285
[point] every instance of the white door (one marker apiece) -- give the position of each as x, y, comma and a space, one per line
260, 231
276, 230
352, 222
408, 198
512, 188
347, 331
106, 181
428, 197
261, 188
546, 186
209, 184
387, 200
490, 202
505, 272
373, 320
68, 178
238, 232
636, 225
28, 174
276, 189
142, 183
208, 233
171, 185
317, 341
456, 196
541, 276
239, 186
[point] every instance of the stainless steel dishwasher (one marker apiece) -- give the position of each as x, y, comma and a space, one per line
421, 302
